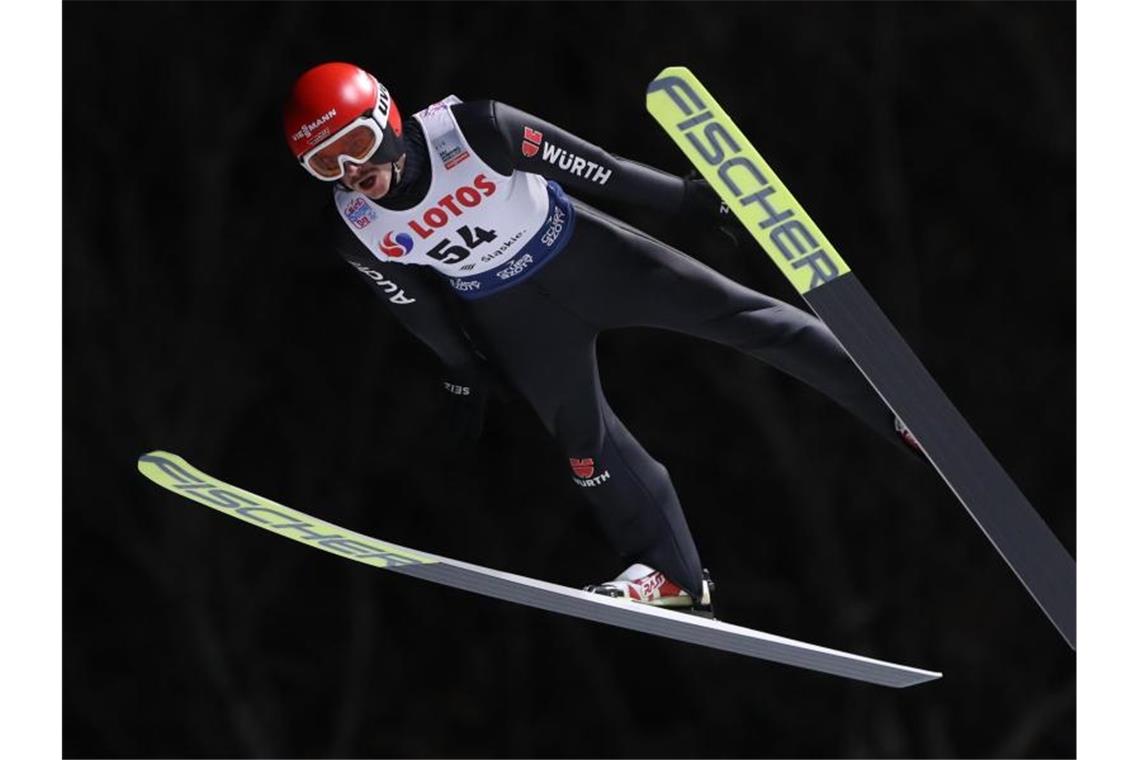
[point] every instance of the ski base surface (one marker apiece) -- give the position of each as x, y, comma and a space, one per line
998, 506
175, 474
796, 245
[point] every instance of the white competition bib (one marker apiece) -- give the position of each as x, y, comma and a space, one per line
480, 229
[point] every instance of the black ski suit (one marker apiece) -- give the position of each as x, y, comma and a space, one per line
541, 332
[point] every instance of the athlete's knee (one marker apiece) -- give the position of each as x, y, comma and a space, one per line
792, 325
767, 326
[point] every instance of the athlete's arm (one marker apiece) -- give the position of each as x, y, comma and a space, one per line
508, 139
415, 295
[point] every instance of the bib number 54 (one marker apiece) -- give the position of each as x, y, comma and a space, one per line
448, 252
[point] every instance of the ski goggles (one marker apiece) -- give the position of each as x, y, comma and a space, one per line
369, 135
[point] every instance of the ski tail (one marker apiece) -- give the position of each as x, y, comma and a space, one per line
796, 245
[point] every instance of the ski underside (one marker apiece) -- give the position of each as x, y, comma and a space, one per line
175, 474
763, 204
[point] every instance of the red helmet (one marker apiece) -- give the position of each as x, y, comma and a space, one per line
340, 113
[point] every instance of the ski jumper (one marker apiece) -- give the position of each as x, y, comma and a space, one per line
479, 252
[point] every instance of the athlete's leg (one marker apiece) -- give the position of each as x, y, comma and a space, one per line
548, 354
650, 283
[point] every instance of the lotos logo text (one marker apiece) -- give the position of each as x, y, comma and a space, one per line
575, 165
397, 247
806, 257
359, 213
532, 138
451, 206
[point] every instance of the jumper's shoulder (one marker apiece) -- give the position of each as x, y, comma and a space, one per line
481, 125
471, 111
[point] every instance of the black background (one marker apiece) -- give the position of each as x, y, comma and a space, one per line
204, 314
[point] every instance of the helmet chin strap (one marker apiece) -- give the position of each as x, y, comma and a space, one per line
398, 169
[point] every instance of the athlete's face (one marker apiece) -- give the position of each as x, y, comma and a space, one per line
371, 179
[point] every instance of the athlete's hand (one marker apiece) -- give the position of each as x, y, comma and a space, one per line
704, 206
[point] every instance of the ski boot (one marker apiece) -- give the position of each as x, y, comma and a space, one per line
644, 585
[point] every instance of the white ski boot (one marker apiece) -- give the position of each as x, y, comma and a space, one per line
642, 584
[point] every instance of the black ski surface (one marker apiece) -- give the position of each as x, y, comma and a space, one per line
755, 194
991, 497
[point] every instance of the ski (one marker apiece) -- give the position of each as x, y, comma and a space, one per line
175, 474
747, 184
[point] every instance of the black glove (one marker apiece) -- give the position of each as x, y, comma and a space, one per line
704, 207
